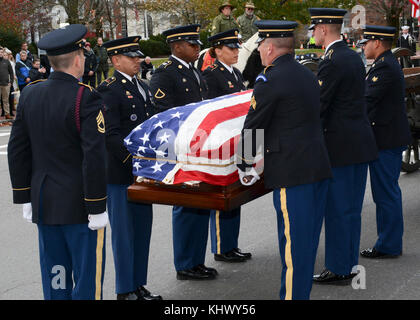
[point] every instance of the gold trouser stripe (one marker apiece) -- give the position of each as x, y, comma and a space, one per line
288, 249
218, 231
99, 258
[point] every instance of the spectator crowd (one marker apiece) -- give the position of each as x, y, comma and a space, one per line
16, 72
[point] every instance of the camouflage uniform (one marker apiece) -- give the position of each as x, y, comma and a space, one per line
247, 27
222, 23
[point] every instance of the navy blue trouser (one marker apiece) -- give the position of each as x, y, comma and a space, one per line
224, 230
300, 211
72, 259
190, 230
384, 175
131, 226
343, 217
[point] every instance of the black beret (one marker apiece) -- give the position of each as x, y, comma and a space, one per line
63, 40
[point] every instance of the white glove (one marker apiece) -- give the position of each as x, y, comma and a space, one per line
27, 212
251, 173
98, 221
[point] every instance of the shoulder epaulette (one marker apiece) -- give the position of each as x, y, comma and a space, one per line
86, 85
108, 81
36, 81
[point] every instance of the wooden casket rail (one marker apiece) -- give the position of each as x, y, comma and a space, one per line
412, 80
202, 195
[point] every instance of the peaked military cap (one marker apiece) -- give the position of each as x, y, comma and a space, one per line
128, 46
228, 38
63, 40
377, 33
275, 29
190, 33
326, 16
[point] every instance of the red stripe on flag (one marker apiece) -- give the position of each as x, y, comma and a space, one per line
212, 120
416, 3
224, 152
184, 176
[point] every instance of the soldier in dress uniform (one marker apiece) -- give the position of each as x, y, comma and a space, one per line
350, 143
177, 83
296, 163
56, 164
222, 78
385, 98
128, 103
225, 20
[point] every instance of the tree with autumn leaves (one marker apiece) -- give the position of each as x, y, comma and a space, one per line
20, 17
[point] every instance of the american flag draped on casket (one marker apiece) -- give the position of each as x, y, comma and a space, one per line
195, 142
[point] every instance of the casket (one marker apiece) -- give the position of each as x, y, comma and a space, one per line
412, 80
201, 195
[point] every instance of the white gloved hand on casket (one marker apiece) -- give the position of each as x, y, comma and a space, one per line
248, 178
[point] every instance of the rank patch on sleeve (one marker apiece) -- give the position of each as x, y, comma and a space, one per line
160, 94
101, 122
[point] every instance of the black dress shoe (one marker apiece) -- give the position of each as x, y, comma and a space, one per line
373, 253
203, 268
328, 277
195, 273
127, 296
144, 294
230, 256
246, 255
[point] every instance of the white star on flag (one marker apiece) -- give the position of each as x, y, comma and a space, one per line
159, 124
160, 153
164, 138
137, 166
145, 138
176, 115
157, 167
138, 128
141, 149
128, 142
